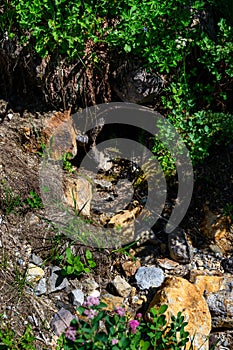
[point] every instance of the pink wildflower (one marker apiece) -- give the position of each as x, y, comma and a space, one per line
133, 324
71, 333
90, 313
139, 315
91, 301
120, 311
114, 341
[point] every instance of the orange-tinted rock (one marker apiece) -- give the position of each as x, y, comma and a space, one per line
181, 295
78, 194
217, 228
211, 283
123, 218
59, 135
112, 301
130, 267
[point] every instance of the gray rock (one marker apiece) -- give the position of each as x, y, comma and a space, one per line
61, 321
224, 340
77, 297
35, 259
41, 287
56, 281
104, 184
179, 247
89, 285
147, 277
221, 308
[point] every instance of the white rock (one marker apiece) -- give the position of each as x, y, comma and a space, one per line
147, 277
77, 297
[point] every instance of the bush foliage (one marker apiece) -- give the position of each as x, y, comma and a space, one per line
189, 43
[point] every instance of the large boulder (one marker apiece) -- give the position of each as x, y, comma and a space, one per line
181, 295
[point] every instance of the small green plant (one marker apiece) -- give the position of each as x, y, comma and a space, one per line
101, 329
9, 201
74, 265
67, 165
126, 250
9, 339
34, 201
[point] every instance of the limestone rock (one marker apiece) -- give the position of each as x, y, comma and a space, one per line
89, 286
221, 308
179, 247
211, 284
112, 301
41, 287
59, 135
77, 297
78, 194
34, 273
35, 259
147, 277
122, 287
181, 295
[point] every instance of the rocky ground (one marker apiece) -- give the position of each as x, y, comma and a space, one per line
191, 269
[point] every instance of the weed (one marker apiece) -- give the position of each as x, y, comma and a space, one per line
67, 165
125, 250
74, 265
34, 201
9, 339
10, 201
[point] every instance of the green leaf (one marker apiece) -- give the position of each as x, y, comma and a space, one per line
127, 48
162, 309
69, 254
87, 270
69, 270
206, 128
91, 263
88, 254
144, 345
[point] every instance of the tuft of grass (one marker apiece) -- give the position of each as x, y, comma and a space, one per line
9, 200
9, 340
